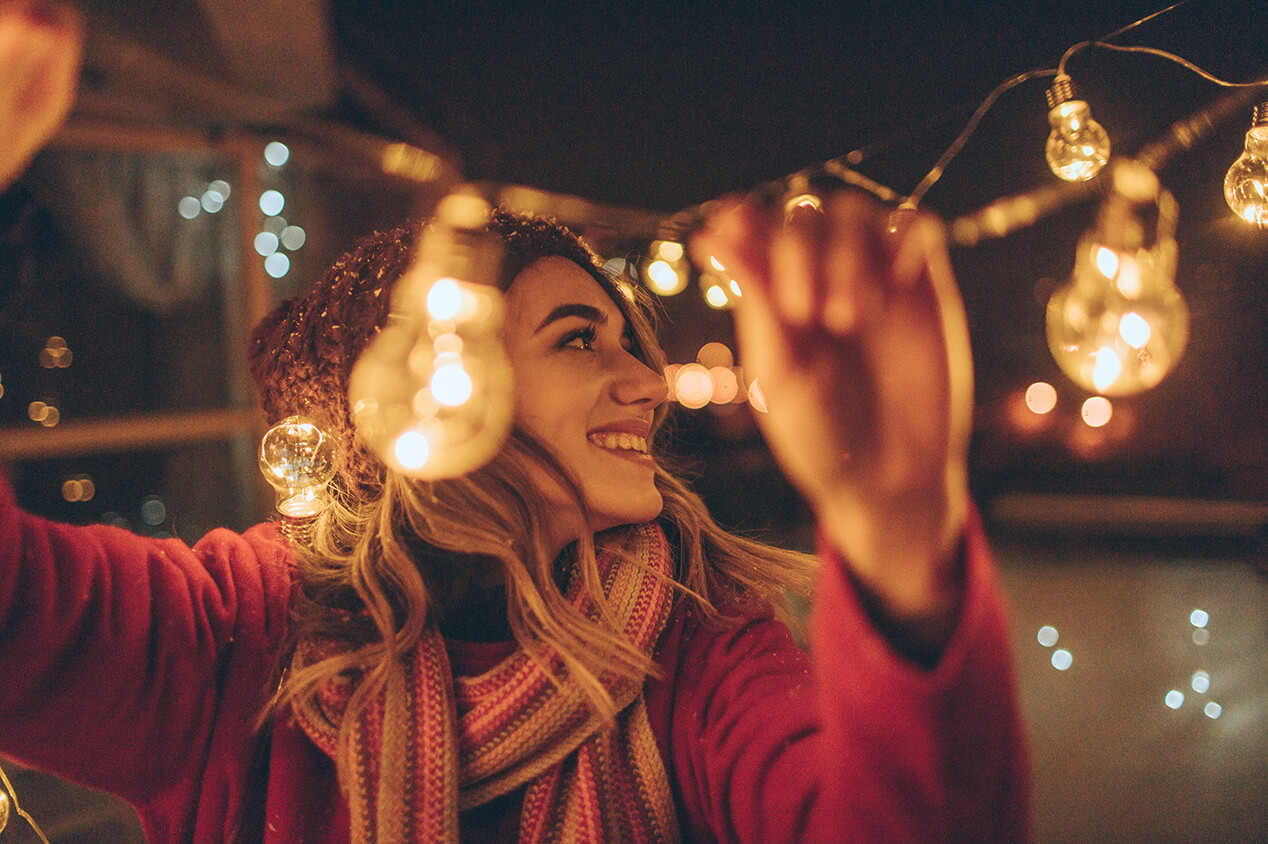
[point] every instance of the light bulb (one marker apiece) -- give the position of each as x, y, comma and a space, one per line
298, 458
1120, 325
1246, 184
431, 394
1077, 146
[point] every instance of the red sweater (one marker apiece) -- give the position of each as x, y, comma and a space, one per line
137, 666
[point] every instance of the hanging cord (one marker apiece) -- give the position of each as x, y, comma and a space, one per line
935, 174
13, 797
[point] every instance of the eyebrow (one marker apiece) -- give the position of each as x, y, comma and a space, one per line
588, 312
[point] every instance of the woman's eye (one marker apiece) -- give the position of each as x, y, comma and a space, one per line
582, 338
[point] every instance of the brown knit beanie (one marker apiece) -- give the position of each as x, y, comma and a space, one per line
301, 355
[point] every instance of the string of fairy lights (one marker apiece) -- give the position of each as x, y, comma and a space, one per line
1116, 328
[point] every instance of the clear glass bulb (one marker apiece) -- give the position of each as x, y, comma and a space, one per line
1246, 184
298, 458
431, 394
1120, 325
1077, 146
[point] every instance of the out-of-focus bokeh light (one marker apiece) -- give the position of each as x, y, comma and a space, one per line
189, 207
444, 299
1097, 412
693, 386
212, 200
1048, 636
1213, 710
276, 153
1174, 699
1134, 329
1199, 618
716, 297
1062, 659
665, 279
735, 288
412, 450
1107, 368
272, 202
668, 250
293, 237
153, 511
671, 379
274, 225
43, 413
78, 489
1201, 636
725, 385
277, 264
715, 354
1200, 681
1041, 397
55, 354
266, 243
756, 397
451, 385
1106, 261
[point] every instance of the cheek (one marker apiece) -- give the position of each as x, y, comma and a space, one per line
546, 409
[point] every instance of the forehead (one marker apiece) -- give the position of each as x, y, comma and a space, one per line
550, 282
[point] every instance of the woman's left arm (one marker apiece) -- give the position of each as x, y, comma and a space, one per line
852, 324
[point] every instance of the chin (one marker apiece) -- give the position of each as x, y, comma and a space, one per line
644, 511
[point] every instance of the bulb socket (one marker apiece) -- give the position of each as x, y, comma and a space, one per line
1261, 115
1062, 91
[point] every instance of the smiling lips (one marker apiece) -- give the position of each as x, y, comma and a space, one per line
619, 441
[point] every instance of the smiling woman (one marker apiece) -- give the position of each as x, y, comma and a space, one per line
585, 388
561, 645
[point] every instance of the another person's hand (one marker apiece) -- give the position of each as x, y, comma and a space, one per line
852, 324
41, 44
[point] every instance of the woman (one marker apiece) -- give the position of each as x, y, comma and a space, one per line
562, 645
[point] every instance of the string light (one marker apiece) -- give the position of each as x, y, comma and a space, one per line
1246, 184
1078, 147
298, 459
1120, 325
432, 392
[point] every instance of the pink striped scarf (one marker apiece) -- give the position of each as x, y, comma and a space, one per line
431, 745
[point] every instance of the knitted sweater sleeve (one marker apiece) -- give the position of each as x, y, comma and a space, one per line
126, 661
853, 743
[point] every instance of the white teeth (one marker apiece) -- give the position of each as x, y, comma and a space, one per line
620, 442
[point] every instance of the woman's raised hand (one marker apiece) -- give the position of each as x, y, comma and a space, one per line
41, 44
852, 324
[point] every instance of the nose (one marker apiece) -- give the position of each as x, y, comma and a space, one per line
636, 383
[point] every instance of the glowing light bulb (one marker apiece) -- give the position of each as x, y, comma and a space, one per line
1120, 325
1246, 183
298, 459
1077, 147
431, 394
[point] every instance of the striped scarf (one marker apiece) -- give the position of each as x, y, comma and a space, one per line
431, 745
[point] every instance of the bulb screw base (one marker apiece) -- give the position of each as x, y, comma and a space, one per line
1062, 91
1261, 115
298, 529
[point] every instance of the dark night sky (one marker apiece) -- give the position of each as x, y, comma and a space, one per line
663, 105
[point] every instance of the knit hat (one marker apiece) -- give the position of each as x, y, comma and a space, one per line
301, 355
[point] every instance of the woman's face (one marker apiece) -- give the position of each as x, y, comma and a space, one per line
580, 391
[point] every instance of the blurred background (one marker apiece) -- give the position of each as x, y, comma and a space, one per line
223, 153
